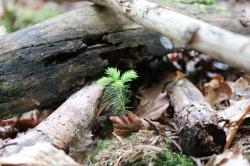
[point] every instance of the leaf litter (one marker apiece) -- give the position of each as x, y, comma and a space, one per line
154, 113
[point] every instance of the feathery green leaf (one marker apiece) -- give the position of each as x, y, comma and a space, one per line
116, 88
104, 81
129, 76
113, 73
118, 84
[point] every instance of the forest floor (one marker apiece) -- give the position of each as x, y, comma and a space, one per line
150, 133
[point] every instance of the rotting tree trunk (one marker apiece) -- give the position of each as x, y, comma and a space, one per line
223, 45
199, 133
42, 65
63, 127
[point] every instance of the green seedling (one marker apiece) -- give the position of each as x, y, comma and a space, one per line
116, 88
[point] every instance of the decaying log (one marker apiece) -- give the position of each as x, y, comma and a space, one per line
64, 125
199, 133
223, 45
42, 65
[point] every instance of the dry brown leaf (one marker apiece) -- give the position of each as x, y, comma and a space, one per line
234, 117
10, 127
153, 108
241, 88
153, 101
217, 93
173, 78
126, 124
229, 158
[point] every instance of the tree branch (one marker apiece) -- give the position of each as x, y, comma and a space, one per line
223, 45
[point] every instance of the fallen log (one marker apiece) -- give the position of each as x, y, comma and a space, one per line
223, 45
63, 127
42, 65
227, 19
197, 122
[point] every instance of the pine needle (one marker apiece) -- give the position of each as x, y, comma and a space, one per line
116, 89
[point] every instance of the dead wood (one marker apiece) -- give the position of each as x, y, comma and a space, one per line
199, 133
226, 19
42, 65
39, 154
223, 45
64, 126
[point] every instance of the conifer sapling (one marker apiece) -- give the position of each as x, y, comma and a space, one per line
115, 97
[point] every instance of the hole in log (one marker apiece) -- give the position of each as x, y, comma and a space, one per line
198, 140
60, 58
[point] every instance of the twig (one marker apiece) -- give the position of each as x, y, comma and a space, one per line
119, 138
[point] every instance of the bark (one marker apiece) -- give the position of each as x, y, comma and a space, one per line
39, 154
42, 65
223, 45
199, 133
226, 19
63, 126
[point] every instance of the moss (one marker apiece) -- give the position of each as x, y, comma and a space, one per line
91, 159
247, 155
7, 115
168, 158
103, 144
